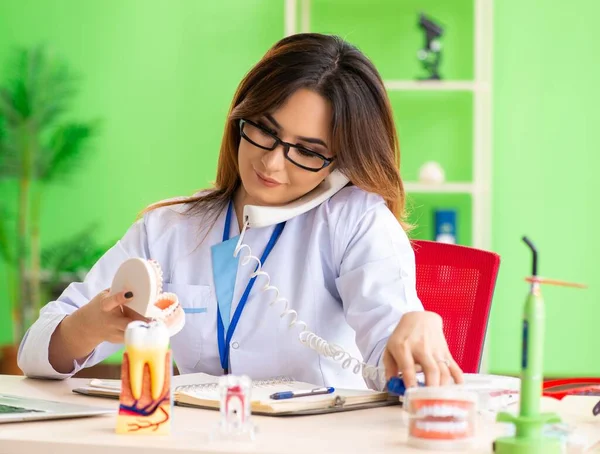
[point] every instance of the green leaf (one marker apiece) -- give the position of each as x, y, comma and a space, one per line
14, 102
39, 89
7, 108
3, 145
67, 147
9, 162
6, 251
78, 253
51, 86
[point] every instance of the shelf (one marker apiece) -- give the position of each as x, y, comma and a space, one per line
433, 85
444, 188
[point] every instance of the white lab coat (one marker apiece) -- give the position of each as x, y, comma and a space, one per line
346, 267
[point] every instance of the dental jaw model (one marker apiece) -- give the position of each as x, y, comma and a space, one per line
441, 418
144, 279
145, 401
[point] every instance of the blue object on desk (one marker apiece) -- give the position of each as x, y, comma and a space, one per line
397, 387
312, 392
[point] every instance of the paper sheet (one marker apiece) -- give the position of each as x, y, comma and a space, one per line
178, 380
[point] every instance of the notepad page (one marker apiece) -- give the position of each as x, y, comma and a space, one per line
199, 378
177, 380
259, 392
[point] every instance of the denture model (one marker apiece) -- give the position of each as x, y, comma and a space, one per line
144, 279
441, 418
145, 401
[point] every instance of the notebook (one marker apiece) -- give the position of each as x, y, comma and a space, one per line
202, 391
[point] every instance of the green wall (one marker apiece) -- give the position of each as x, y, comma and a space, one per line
431, 125
160, 74
546, 157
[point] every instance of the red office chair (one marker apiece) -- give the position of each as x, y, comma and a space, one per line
458, 282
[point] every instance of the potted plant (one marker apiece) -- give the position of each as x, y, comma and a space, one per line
38, 146
69, 261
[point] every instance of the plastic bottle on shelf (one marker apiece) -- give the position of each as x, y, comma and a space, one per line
445, 226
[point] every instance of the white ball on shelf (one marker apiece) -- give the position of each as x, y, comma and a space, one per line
431, 173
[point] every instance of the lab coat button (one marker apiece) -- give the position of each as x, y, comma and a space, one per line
235, 345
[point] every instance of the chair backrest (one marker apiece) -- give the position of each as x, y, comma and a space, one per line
458, 282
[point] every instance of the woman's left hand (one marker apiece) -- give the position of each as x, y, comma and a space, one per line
419, 340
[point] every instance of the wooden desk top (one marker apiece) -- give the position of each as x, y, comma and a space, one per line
381, 430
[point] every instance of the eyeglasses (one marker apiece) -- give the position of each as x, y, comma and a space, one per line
296, 154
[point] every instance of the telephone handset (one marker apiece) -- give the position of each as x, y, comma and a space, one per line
260, 216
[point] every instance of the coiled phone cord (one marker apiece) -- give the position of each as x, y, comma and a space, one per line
307, 337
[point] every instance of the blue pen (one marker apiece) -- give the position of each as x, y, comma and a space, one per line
312, 392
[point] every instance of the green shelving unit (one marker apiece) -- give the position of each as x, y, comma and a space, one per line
447, 121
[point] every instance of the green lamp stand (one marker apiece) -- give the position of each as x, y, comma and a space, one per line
529, 423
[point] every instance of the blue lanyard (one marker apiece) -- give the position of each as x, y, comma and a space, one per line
223, 340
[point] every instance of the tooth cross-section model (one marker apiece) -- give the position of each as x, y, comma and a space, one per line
144, 279
145, 401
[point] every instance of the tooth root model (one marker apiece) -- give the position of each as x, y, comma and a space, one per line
144, 279
145, 401
235, 392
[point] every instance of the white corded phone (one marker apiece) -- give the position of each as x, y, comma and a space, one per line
259, 216
263, 216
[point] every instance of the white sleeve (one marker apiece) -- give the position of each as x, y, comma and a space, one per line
33, 351
377, 281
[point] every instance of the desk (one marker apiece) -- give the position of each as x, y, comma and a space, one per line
380, 430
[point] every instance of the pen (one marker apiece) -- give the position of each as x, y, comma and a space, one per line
312, 392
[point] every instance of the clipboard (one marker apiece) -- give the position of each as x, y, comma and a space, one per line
205, 396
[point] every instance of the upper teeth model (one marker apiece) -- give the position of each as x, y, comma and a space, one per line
146, 343
144, 279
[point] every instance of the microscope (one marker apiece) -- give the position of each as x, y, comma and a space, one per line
431, 53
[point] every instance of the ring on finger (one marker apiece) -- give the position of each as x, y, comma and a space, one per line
445, 361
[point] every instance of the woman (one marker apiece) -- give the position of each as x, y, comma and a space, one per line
313, 104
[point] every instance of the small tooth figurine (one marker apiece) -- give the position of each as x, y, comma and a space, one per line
235, 422
146, 399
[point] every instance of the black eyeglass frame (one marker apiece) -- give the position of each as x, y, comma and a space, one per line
286, 146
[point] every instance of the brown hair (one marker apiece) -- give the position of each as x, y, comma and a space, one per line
364, 136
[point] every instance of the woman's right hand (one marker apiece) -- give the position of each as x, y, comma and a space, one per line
105, 317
